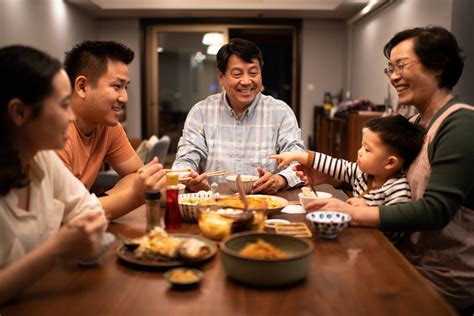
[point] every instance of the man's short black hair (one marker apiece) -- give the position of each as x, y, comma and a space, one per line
90, 59
244, 49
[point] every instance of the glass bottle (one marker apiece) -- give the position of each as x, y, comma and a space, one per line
154, 215
172, 215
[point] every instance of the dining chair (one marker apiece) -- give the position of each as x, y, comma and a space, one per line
107, 179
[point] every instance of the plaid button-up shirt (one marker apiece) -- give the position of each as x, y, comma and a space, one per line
214, 138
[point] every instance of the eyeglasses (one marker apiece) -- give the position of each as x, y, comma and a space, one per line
397, 68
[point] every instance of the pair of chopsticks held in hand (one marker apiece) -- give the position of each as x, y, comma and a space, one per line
209, 174
220, 172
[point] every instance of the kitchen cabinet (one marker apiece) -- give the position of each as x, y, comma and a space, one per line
340, 137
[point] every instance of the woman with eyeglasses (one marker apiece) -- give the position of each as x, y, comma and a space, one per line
424, 64
46, 215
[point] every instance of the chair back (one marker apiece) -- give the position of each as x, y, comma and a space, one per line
160, 149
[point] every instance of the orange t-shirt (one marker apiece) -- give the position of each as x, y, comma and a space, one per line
84, 155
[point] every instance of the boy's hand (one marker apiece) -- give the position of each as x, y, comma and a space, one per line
287, 158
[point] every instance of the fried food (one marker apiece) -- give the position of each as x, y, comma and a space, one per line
183, 276
262, 250
157, 245
193, 249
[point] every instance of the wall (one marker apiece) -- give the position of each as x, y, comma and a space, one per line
462, 26
127, 31
50, 25
369, 35
323, 47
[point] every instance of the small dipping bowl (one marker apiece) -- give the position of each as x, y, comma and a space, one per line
328, 224
183, 278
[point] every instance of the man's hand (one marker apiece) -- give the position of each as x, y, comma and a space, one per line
197, 182
150, 177
268, 183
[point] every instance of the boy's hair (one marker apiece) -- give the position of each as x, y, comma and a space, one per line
90, 59
244, 49
400, 135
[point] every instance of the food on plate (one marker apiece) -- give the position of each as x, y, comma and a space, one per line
158, 245
262, 249
193, 249
233, 201
183, 276
307, 192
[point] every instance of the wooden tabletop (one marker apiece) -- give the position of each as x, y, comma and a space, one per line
359, 273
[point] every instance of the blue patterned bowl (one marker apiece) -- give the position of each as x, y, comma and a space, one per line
328, 224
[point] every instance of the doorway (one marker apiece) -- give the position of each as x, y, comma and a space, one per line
180, 71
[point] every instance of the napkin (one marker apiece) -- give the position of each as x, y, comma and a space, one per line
293, 209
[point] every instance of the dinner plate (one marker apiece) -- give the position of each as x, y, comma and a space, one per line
282, 202
127, 255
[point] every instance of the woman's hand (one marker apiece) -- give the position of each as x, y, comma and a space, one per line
356, 201
360, 215
80, 238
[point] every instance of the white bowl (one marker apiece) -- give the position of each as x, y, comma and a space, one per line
190, 210
328, 224
304, 200
181, 188
247, 182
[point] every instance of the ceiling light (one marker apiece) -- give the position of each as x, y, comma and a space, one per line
213, 38
213, 49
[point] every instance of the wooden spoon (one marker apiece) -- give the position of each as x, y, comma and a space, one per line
242, 193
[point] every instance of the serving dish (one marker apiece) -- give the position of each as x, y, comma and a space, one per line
266, 272
126, 254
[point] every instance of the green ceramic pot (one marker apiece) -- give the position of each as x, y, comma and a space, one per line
266, 272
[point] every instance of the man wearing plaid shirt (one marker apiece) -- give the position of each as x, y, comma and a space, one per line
239, 128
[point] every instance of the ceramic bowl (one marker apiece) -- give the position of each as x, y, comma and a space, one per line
181, 188
184, 277
247, 182
188, 205
304, 200
328, 224
266, 272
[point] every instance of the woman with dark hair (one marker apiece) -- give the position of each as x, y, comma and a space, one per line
424, 64
46, 214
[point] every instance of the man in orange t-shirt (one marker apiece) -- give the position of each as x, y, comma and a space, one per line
99, 75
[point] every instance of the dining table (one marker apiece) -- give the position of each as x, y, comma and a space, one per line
358, 273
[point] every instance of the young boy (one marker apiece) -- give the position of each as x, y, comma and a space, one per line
389, 145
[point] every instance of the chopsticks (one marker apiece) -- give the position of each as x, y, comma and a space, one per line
220, 172
178, 170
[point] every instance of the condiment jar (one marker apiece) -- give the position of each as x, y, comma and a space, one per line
154, 215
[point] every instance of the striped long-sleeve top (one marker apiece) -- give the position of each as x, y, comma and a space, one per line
395, 190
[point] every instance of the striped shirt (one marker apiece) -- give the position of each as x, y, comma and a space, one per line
395, 190
215, 138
